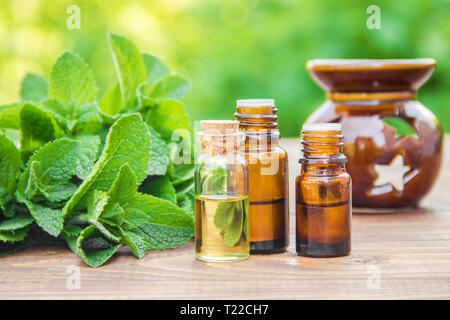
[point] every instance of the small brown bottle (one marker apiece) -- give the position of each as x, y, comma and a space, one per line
268, 176
323, 194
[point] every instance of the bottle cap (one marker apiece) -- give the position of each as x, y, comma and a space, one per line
320, 127
219, 126
255, 102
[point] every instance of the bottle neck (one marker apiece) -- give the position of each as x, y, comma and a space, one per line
323, 169
257, 118
259, 125
322, 149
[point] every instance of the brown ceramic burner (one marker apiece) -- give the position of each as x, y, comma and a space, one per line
393, 143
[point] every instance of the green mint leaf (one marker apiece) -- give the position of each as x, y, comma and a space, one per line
9, 166
170, 87
94, 248
13, 235
159, 237
128, 141
105, 208
161, 187
59, 192
54, 163
160, 211
28, 184
233, 232
155, 68
72, 93
106, 232
87, 154
58, 161
108, 120
134, 218
136, 243
168, 116
224, 214
71, 242
63, 114
95, 210
231, 219
180, 173
7, 207
71, 233
83, 119
89, 119
50, 220
186, 202
72, 81
113, 215
215, 179
111, 103
34, 88
129, 67
72, 230
400, 126
124, 187
38, 127
186, 187
245, 226
10, 116
145, 102
186, 196
97, 204
159, 154
19, 221
102, 134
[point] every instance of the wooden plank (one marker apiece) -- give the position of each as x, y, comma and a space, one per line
411, 252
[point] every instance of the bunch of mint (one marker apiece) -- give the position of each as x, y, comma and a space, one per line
97, 175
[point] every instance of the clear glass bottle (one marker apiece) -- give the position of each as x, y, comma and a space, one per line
268, 176
323, 194
221, 194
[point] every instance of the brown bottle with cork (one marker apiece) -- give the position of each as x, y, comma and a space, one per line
323, 194
268, 176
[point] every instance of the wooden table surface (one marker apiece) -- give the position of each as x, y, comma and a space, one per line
394, 256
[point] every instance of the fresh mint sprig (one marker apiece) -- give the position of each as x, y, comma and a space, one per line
99, 174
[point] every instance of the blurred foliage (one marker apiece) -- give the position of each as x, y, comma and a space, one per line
230, 49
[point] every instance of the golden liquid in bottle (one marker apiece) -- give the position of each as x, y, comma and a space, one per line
221, 228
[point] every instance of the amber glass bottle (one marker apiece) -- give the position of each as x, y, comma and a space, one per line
268, 176
323, 194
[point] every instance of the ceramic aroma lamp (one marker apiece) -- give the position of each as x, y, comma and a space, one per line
375, 101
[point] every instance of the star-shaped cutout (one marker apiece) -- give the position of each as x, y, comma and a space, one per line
392, 173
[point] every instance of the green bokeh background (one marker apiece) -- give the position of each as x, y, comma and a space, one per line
230, 49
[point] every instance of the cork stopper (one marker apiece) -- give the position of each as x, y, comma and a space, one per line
220, 137
219, 126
